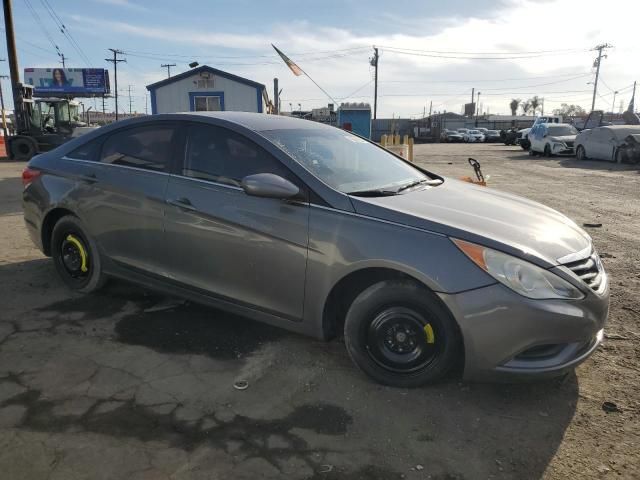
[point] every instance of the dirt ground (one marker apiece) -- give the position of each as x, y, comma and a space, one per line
126, 385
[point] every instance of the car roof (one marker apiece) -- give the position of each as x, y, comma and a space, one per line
621, 131
259, 121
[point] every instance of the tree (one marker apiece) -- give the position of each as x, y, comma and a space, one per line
535, 102
513, 105
526, 106
567, 110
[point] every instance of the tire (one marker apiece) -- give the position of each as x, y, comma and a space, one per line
75, 256
580, 153
547, 151
619, 157
525, 145
400, 334
22, 149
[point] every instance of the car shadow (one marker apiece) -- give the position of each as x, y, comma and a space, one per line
572, 162
453, 429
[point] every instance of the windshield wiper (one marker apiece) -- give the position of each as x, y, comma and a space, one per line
424, 181
376, 192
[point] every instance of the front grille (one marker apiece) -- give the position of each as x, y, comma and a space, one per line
589, 270
569, 144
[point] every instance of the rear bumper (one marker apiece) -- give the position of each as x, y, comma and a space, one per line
509, 337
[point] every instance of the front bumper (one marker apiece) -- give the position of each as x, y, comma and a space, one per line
510, 337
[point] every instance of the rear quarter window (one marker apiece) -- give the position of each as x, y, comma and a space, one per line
88, 151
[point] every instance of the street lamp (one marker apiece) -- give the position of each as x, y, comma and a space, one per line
613, 105
300, 107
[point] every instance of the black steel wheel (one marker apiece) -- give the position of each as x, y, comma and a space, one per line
402, 340
400, 334
75, 255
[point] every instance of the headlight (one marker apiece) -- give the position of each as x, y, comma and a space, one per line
559, 146
519, 275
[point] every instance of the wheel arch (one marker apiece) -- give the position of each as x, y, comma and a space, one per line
50, 220
349, 286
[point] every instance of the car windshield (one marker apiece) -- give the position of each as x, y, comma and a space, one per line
561, 130
345, 161
493, 132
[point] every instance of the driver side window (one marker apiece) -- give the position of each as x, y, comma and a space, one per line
223, 156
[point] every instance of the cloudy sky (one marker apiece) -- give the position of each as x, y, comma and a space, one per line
430, 51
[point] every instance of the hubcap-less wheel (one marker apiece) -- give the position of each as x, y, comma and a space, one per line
580, 153
401, 340
75, 257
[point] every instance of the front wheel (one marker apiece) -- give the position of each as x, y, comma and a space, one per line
580, 153
547, 150
76, 256
400, 334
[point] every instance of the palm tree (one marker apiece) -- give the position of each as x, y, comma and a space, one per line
526, 106
513, 105
535, 103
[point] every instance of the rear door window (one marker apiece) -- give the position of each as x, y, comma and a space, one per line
223, 156
147, 147
88, 151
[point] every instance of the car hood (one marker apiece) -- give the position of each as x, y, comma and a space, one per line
563, 138
483, 215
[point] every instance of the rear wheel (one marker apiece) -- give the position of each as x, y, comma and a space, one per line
400, 335
76, 256
619, 158
580, 153
22, 148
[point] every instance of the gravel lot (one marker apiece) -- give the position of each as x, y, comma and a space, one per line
128, 385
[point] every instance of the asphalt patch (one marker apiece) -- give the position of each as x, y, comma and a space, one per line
195, 329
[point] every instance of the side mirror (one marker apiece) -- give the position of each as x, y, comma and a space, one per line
268, 185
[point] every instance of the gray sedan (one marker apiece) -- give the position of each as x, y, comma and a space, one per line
604, 143
322, 232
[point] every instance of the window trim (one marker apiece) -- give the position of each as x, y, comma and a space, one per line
193, 95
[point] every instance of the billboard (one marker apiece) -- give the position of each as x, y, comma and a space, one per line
77, 82
470, 109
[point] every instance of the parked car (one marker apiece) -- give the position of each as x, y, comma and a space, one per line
553, 139
492, 136
473, 136
522, 138
462, 131
450, 136
482, 130
314, 229
604, 143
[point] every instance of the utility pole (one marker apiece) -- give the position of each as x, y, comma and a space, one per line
168, 67
62, 60
477, 108
542, 113
104, 111
4, 118
430, 107
276, 96
115, 60
14, 71
374, 63
613, 104
473, 94
130, 102
599, 48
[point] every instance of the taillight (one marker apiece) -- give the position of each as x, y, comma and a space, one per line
29, 175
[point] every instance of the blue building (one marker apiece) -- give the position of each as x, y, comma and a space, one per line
355, 117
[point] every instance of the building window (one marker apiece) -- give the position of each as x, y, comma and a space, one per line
205, 83
207, 104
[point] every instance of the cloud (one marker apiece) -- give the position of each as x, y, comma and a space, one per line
123, 3
408, 82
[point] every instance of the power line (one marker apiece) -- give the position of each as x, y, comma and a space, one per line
191, 56
39, 21
65, 31
569, 50
460, 57
486, 79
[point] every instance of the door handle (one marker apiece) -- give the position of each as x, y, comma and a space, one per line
182, 202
